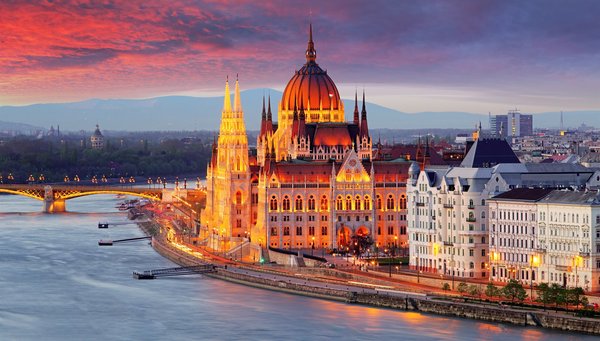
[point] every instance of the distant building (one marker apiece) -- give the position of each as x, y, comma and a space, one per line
97, 139
514, 124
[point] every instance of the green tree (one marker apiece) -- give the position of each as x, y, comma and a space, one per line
462, 287
491, 290
544, 294
558, 294
474, 290
514, 291
575, 296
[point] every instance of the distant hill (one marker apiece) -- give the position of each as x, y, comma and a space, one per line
18, 127
204, 113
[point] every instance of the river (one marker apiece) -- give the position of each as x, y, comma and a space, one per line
56, 283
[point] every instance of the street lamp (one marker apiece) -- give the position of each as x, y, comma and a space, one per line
149, 182
76, 178
66, 179
535, 261
31, 178
42, 178
94, 180
104, 180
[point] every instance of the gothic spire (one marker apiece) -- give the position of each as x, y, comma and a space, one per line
311, 53
263, 119
356, 118
227, 99
269, 115
237, 101
364, 126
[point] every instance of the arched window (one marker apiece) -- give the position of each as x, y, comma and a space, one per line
286, 203
403, 202
311, 203
471, 203
378, 201
324, 203
348, 203
357, 203
299, 203
339, 203
238, 197
390, 202
273, 203
471, 265
482, 214
367, 203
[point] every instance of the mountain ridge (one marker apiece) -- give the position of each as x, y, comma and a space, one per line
203, 113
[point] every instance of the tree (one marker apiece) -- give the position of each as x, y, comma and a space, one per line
558, 294
491, 290
544, 294
474, 290
445, 286
514, 291
575, 296
462, 287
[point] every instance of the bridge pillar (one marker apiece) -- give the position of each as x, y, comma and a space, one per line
52, 205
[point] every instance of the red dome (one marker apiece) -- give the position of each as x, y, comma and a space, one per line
311, 87
312, 84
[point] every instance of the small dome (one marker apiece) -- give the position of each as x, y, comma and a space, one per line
97, 131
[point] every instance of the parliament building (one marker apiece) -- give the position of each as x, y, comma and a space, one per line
315, 179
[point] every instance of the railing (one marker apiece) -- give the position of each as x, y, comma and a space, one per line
448, 206
471, 219
471, 207
420, 204
584, 254
448, 244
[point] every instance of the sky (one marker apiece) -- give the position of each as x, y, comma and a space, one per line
449, 55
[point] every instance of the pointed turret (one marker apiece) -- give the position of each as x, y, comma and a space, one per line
263, 119
227, 99
364, 126
311, 53
237, 101
419, 152
301, 122
426, 156
356, 117
295, 121
269, 124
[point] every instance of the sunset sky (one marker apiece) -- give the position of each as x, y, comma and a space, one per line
475, 56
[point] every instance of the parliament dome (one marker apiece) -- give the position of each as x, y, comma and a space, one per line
312, 89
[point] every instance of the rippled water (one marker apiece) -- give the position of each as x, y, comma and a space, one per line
56, 283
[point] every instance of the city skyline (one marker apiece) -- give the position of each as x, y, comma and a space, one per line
434, 56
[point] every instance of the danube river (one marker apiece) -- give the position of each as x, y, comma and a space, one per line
57, 284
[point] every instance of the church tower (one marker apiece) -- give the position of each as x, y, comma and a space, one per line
228, 175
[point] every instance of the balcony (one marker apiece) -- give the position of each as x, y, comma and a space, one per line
471, 219
420, 204
471, 207
448, 244
448, 206
584, 254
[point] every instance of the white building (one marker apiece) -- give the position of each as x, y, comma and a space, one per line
569, 232
546, 236
447, 223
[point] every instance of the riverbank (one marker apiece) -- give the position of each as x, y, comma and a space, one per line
368, 294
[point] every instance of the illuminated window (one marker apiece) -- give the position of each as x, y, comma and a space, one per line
390, 202
238, 197
324, 203
402, 202
273, 203
311, 203
299, 203
348, 203
367, 205
286, 203
378, 201
339, 204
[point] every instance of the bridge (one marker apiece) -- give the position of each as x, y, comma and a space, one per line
54, 195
